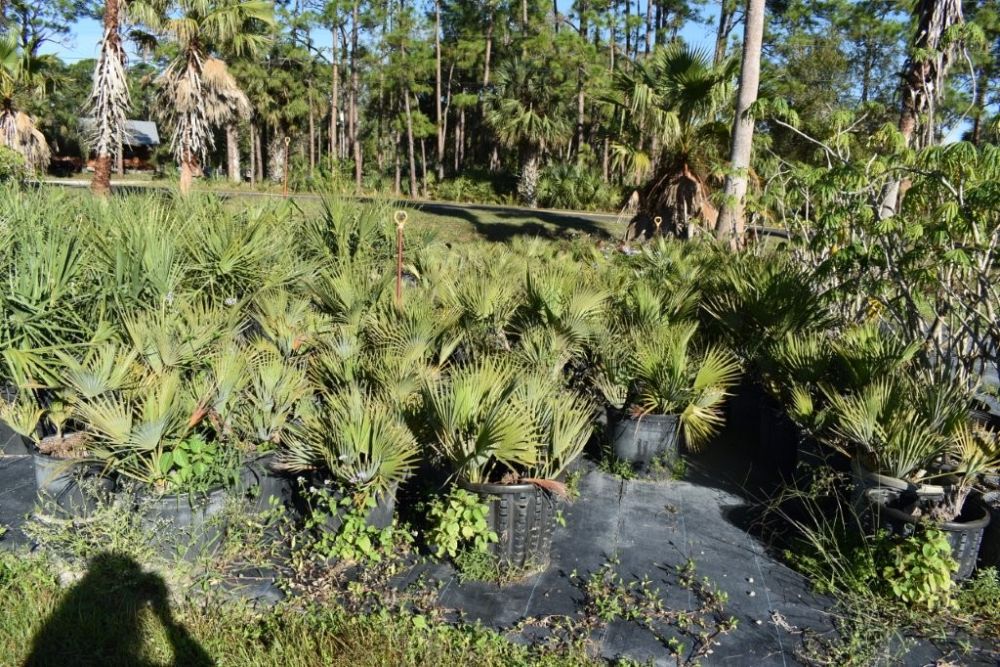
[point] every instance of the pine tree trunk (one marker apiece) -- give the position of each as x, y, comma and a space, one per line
355, 143
410, 146
649, 27
312, 136
725, 27
233, 153
731, 222
439, 118
334, 99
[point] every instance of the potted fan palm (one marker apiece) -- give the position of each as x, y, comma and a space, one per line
660, 387
916, 458
507, 436
48, 417
351, 444
156, 434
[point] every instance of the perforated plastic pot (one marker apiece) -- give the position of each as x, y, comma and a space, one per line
524, 518
964, 534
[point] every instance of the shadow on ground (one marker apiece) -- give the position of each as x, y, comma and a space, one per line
107, 617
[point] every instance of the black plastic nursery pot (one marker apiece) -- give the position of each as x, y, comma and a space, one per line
964, 534
69, 488
267, 486
187, 525
380, 516
640, 440
989, 550
866, 480
779, 439
524, 518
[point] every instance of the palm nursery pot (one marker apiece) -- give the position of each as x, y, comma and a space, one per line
185, 524
267, 486
380, 516
524, 518
965, 534
989, 550
864, 480
640, 440
778, 439
69, 488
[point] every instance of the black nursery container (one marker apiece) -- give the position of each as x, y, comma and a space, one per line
989, 550
68, 488
640, 440
267, 486
188, 525
965, 534
524, 518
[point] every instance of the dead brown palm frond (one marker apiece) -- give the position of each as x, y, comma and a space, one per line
18, 132
225, 102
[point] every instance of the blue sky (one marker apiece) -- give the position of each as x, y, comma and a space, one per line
86, 34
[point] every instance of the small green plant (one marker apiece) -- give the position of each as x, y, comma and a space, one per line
920, 569
615, 466
355, 541
193, 460
460, 523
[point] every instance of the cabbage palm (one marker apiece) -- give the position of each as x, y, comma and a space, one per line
20, 76
109, 100
522, 113
671, 109
198, 90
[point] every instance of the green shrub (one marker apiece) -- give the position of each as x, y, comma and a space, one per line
459, 523
12, 165
576, 186
919, 570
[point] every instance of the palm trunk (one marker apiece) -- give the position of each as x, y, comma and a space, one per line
923, 77
108, 116
188, 169
731, 221
527, 187
233, 153
253, 156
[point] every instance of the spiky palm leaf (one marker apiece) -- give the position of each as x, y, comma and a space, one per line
478, 427
357, 438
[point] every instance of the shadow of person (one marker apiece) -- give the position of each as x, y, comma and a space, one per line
107, 618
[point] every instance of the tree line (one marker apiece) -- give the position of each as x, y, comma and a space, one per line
572, 104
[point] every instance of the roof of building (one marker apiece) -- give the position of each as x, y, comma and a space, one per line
137, 132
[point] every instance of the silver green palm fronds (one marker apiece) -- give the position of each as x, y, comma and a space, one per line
358, 439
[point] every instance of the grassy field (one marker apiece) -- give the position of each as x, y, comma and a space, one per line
121, 615
449, 221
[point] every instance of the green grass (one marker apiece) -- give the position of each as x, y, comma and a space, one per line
119, 614
448, 221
